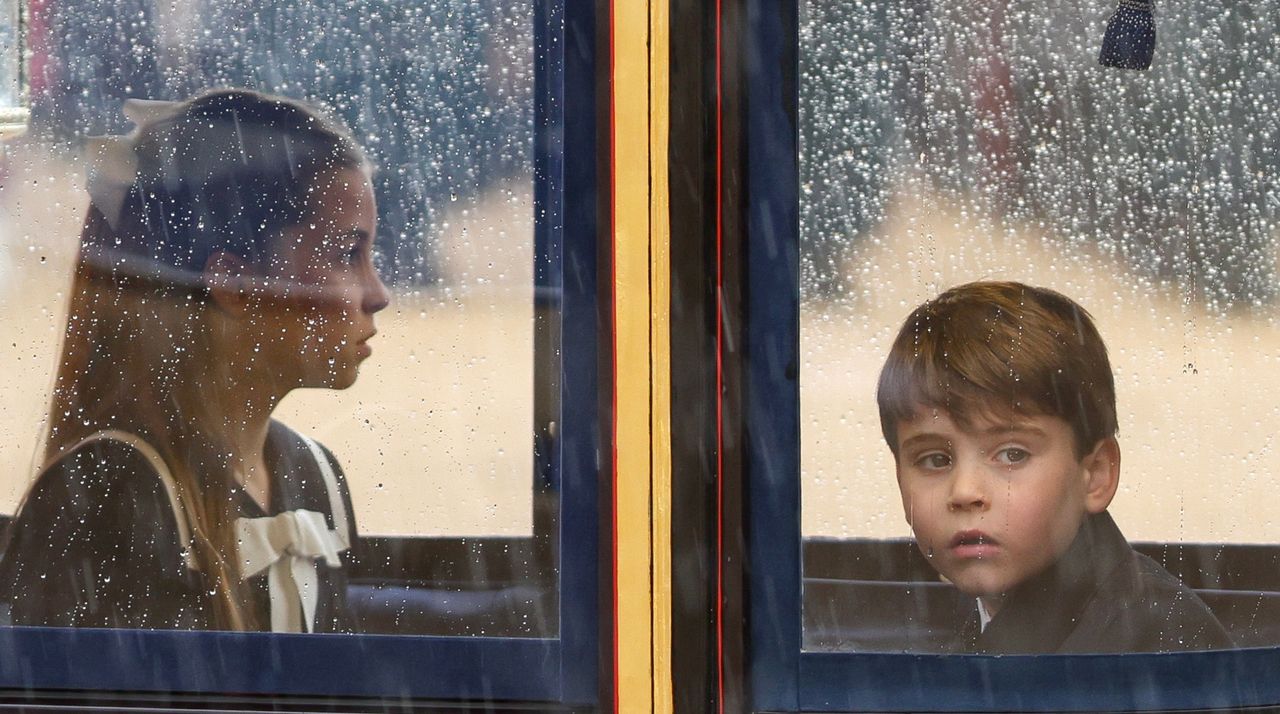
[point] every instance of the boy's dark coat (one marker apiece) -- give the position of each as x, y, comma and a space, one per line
1100, 596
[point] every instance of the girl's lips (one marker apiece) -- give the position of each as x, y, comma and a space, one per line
973, 544
363, 349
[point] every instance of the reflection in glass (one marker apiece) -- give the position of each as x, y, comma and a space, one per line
948, 142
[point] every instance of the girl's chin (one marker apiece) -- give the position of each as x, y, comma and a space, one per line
335, 376
342, 379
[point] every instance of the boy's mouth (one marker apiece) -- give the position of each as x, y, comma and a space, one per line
973, 544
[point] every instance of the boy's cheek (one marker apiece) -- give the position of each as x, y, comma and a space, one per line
915, 512
908, 503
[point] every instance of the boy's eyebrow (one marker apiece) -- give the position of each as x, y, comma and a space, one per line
1014, 428
998, 430
926, 437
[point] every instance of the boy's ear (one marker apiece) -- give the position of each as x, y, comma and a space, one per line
1102, 474
225, 276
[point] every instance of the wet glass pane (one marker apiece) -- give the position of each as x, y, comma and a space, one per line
13, 80
10, 55
947, 142
435, 440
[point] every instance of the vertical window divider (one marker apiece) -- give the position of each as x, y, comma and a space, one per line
641, 363
660, 353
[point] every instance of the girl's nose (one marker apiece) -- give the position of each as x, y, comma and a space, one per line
376, 295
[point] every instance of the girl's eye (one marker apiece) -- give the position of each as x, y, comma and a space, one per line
934, 461
1012, 455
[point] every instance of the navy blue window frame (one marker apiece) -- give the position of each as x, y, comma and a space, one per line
561, 669
782, 676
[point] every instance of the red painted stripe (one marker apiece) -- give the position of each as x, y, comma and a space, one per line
613, 319
719, 379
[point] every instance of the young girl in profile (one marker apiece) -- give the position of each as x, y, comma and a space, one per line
225, 261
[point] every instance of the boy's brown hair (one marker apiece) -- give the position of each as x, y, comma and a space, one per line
996, 349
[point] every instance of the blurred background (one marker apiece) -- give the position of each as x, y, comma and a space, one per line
437, 435
945, 141
942, 141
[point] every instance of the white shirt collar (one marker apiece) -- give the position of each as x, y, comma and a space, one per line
984, 617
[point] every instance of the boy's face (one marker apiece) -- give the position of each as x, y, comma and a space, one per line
996, 503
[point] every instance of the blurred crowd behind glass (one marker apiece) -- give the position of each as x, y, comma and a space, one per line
439, 92
1004, 106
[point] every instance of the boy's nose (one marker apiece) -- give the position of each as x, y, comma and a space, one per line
967, 490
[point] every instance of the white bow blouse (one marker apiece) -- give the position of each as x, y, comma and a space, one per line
290, 546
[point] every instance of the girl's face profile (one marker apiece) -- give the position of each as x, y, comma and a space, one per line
314, 318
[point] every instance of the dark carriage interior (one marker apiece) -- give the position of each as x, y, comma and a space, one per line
882, 595
492, 586
859, 594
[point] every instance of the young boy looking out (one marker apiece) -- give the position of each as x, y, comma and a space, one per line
998, 403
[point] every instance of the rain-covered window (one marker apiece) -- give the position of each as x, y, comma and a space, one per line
434, 442
11, 69
946, 142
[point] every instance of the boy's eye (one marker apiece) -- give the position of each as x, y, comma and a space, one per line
1012, 455
934, 461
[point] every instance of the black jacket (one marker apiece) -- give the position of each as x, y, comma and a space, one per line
1101, 596
96, 543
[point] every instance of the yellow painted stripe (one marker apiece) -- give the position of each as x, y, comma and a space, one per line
633, 613
660, 350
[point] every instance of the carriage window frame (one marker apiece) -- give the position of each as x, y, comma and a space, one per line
784, 677
559, 669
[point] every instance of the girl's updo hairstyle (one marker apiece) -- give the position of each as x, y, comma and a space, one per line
227, 171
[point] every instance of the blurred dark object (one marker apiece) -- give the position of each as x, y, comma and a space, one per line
87, 58
1131, 36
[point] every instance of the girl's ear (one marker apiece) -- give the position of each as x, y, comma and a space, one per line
1102, 474
225, 276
